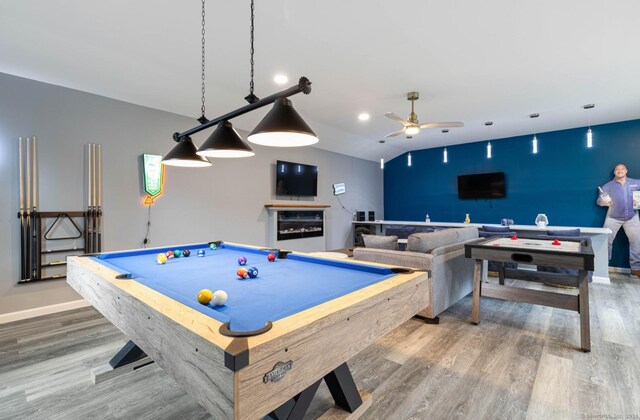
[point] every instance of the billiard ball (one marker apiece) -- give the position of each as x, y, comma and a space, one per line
186, 253
219, 298
253, 272
177, 253
243, 273
201, 253
204, 296
213, 246
242, 260
169, 254
161, 258
271, 257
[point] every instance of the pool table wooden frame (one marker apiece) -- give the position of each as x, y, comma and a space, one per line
226, 374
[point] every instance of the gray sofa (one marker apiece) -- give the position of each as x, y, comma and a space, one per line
441, 253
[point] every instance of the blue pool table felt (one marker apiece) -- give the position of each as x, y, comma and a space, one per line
282, 288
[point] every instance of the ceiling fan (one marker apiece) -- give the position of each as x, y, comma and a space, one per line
412, 126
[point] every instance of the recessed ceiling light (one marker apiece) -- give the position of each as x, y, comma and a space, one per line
281, 79
364, 116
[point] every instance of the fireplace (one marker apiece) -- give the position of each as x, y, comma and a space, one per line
296, 224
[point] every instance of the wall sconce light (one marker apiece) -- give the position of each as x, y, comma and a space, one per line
409, 159
589, 133
381, 163
534, 142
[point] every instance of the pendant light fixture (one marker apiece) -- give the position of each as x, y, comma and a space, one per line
589, 133
224, 142
184, 154
488, 124
445, 157
534, 142
282, 126
282, 123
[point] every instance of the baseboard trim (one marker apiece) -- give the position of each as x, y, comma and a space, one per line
620, 270
43, 310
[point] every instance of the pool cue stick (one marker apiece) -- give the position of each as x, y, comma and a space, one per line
99, 200
89, 237
28, 207
86, 214
23, 227
35, 238
93, 198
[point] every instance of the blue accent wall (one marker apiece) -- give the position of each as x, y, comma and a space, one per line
561, 180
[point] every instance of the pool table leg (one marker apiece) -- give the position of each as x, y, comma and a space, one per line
343, 390
128, 354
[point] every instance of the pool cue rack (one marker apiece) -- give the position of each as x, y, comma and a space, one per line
32, 221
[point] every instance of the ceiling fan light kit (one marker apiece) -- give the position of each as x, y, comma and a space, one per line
411, 125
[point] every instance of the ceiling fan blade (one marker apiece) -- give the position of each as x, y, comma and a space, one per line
394, 117
395, 133
442, 125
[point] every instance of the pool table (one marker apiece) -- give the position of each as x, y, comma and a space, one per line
265, 351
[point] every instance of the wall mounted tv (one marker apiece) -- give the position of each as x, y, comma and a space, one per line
296, 179
491, 185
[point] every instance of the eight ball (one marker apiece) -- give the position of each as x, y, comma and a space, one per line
186, 253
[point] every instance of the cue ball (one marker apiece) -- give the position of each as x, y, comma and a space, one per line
242, 260
204, 296
177, 253
186, 253
219, 298
243, 273
201, 253
253, 272
161, 258
271, 257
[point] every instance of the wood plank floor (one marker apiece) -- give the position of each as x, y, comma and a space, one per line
521, 362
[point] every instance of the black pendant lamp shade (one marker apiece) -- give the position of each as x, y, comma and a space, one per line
184, 154
225, 142
283, 127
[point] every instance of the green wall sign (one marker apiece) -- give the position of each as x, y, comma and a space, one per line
153, 175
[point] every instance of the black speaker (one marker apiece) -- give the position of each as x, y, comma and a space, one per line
372, 216
359, 216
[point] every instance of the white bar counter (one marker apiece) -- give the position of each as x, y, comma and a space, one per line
598, 237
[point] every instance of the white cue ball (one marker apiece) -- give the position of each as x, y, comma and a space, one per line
219, 298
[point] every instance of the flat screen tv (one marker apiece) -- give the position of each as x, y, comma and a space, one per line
296, 179
491, 185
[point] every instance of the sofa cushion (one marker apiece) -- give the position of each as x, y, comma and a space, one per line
381, 242
501, 229
428, 241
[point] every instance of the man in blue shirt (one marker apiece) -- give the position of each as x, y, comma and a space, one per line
617, 194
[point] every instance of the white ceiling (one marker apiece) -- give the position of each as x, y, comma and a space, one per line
471, 61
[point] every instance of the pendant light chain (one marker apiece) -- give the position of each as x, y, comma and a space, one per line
203, 119
251, 98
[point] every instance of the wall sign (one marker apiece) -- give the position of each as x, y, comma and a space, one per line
152, 177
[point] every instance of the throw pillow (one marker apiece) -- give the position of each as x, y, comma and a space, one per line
381, 242
426, 242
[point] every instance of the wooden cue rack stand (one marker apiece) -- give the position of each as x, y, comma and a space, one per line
34, 243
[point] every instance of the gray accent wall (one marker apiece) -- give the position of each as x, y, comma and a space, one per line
223, 202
